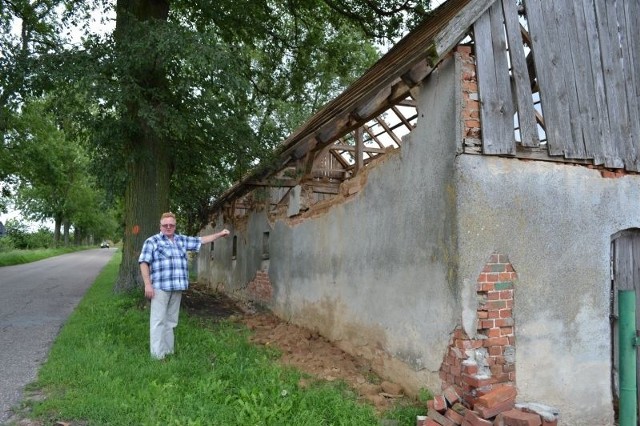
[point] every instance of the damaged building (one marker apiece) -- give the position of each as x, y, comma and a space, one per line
467, 211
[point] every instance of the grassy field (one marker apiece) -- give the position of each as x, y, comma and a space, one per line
17, 257
99, 373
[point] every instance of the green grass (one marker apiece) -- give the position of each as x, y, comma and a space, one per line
17, 257
99, 372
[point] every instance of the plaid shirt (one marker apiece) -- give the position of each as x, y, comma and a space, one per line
168, 261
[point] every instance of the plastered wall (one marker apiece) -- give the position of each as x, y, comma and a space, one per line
389, 272
555, 222
376, 272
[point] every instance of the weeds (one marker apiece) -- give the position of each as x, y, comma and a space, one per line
17, 257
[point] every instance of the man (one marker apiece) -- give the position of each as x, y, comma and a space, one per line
163, 264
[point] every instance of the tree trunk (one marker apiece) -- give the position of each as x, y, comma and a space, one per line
56, 231
66, 226
146, 198
149, 167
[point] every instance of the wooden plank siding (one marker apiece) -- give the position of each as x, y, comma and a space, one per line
587, 66
521, 78
565, 72
387, 83
497, 110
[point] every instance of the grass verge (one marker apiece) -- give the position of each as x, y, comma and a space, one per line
99, 372
17, 257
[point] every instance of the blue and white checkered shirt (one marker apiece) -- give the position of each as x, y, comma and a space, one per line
168, 260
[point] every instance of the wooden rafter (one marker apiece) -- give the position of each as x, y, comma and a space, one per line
384, 85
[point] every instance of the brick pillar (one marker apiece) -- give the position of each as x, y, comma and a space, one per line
475, 366
471, 130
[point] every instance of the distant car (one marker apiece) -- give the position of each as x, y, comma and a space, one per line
104, 244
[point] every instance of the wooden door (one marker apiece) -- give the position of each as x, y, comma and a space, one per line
625, 261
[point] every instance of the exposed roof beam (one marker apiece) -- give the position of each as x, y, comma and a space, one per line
396, 73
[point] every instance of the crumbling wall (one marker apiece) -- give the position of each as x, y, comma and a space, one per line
555, 221
373, 269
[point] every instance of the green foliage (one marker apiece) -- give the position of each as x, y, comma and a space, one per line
99, 372
425, 395
51, 173
18, 236
179, 102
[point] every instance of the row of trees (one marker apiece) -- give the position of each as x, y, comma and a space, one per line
178, 101
48, 176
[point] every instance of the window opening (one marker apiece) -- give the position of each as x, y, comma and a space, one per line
234, 252
265, 245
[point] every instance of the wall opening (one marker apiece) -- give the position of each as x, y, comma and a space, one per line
625, 275
265, 245
475, 365
234, 250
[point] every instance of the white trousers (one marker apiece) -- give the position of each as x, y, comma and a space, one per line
165, 308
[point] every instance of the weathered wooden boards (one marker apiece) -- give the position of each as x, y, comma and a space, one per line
587, 65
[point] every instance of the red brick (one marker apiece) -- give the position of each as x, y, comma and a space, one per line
489, 412
451, 395
497, 395
454, 416
459, 408
496, 341
487, 323
496, 370
519, 418
504, 322
460, 334
495, 350
439, 403
494, 332
477, 382
506, 331
506, 294
473, 419
469, 368
505, 313
505, 276
426, 421
442, 420
553, 422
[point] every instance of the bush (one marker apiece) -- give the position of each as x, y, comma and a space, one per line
22, 239
6, 244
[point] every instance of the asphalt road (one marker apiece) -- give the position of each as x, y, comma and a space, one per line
35, 301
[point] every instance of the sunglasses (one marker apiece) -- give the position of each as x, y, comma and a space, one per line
168, 226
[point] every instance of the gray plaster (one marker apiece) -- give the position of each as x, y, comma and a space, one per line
555, 222
378, 270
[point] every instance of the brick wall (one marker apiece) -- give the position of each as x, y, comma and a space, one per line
471, 130
475, 366
260, 288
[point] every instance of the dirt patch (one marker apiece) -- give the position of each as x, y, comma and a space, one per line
300, 347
